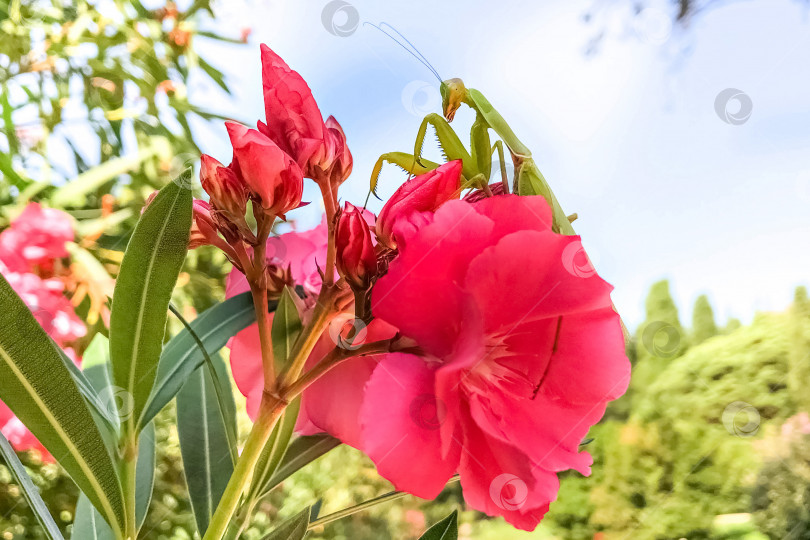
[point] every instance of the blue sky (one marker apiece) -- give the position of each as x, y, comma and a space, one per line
628, 138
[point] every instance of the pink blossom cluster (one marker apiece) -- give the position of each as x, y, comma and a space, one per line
512, 357
32, 252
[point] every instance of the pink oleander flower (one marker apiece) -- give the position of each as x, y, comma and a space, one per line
271, 176
35, 239
356, 259
521, 356
295, 124
410, 205
301, 251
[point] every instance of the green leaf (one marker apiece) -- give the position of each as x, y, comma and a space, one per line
294, 528
29, 490
75, 190
107, 421
149, 271
274, 451
88, 523
96, 365
286, 328
181, 356
145, 473
446, 529
202, 427
301, 452
37, 386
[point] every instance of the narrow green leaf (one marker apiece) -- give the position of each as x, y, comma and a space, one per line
75, 190
29, 490
225, 403
204, 444
149, 271
106, 420
96, 365
301, 452
181, 356
286, 328
37, 386
145, 473
88, 523
446, 529
294, 528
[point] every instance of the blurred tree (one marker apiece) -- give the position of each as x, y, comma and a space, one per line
86, 83
799, 371
703, 325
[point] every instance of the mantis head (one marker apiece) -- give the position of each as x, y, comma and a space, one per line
453, 95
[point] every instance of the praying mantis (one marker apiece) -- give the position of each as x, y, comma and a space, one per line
477, 163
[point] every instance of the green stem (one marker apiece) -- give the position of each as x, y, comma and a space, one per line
269, 412
129, 463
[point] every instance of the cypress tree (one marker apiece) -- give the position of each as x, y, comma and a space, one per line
703, 325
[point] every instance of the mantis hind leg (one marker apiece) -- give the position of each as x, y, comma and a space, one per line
451, 146
498, 146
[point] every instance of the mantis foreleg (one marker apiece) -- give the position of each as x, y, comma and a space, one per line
404, 161
451, 145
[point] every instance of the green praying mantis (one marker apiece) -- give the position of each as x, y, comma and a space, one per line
477, 162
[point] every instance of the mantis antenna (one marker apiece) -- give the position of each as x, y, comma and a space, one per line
412, 50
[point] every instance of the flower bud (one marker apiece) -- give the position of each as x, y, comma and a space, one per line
203, 227
356, 260
272, 177
424, 193
227, 192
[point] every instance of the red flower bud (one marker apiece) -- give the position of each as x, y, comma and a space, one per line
355, 259
295, 124
424, 193
272, 177
227, 192
203, 227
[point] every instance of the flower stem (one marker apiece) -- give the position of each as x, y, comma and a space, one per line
263, 320
270, 410
129, 462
